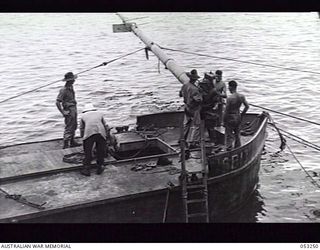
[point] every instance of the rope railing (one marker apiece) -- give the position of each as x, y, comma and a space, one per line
48, 84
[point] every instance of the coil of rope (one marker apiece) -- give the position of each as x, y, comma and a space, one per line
48, 84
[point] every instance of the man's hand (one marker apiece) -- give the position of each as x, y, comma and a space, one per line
65, 113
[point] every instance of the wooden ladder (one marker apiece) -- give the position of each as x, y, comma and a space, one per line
195, 186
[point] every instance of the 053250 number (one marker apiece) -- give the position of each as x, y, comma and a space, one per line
307, 245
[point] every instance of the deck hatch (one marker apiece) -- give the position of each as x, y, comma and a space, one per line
142, 148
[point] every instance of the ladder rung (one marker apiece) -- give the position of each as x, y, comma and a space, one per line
196, 201
196, 215
195, 186
192, 183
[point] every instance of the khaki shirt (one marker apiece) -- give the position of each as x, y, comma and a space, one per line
67, 97
91, 123
191, 96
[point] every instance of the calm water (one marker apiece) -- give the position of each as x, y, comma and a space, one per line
37, 49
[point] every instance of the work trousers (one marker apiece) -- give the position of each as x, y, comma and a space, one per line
220, 109
71, 123
210, 122
232, 124
191, 126
100, 149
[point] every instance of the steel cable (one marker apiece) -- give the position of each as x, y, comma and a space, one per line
292, 116
302, 141
43, 86
299, 139
241, 61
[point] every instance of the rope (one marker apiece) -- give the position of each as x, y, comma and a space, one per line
240, 61
295, 117
303, 141
313, 181
20, 199
283, 140
102, 64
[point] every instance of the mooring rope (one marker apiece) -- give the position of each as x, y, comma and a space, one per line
295, 138
302, 141
283, 140
313, 181
43, 86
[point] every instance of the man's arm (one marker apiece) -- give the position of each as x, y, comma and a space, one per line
60, 108
196, 95
224, 91
180, 92
225, 110
246, 106
82, 125
59, 101
106, 127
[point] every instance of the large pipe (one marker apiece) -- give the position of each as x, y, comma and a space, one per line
169, 63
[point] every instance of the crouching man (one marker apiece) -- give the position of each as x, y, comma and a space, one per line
93, 130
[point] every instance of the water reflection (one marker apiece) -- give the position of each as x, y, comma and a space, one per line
249, 213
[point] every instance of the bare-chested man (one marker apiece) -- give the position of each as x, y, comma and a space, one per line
222, 90
232, 117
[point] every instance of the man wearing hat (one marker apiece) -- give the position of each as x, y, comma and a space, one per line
222, 90
209, 104
67, 105
192, 99
93, 130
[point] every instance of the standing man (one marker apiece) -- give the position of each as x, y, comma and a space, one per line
209, 104
192, 99
93, 129
67, 105
232, 117
222, 90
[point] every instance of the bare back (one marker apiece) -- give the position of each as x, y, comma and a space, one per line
234, 102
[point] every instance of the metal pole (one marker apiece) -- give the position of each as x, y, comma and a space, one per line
169, 63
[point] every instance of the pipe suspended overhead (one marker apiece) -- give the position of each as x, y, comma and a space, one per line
169, 63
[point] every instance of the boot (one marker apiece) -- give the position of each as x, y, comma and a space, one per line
100, 170
65, 144
85, 171
73, 143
